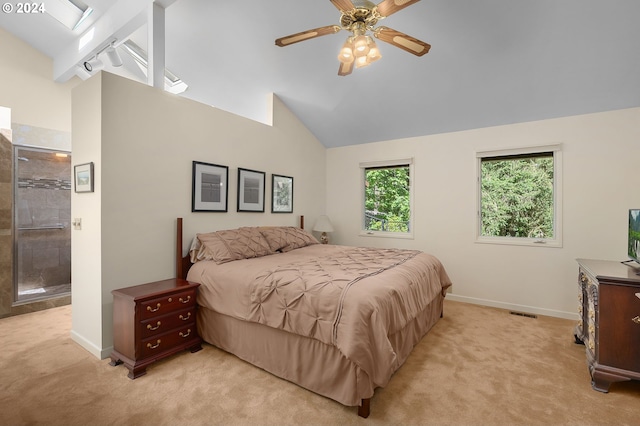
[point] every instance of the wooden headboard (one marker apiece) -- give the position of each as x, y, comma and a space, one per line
183, 263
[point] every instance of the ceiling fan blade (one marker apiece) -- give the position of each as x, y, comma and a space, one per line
343, 5
306, 35
401, 40
346, 69
389, 7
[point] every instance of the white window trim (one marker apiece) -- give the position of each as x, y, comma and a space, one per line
556, 241
388, 163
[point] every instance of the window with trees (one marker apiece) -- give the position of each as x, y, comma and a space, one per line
388, 198
519, 194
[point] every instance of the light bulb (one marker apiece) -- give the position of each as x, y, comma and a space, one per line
362, 61
374, 54
361, 45
346, 53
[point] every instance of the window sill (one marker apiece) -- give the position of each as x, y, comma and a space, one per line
398, 235
516, 241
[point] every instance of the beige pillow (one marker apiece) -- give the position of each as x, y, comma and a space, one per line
287, 238
232, 244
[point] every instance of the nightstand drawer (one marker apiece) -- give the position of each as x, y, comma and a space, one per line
153, 321
168, 322
163, 305
158, 344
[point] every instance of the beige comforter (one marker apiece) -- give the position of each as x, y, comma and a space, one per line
350, 297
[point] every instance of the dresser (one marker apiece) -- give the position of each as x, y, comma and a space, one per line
153, 321
609, 325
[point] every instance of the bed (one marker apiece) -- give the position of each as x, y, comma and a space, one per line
336, 320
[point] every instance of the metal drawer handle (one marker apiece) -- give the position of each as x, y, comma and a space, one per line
150, 346
185, 335
150, 309
150, 327
185, 301
636, 320
185, 318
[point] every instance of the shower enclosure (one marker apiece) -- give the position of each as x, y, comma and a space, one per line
42, 234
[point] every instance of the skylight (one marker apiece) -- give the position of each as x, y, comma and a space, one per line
70, 13
172, 83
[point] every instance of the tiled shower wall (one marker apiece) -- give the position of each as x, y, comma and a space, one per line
7, 307
43, 219
6, 223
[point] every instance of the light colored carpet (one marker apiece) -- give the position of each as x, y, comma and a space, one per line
478, 366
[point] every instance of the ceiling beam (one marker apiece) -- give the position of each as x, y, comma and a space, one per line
118, 22
156, 46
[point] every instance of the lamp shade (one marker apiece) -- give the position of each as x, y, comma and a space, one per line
323, 224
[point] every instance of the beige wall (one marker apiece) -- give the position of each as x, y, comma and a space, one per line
143, 142
27, 86
86, 247
600, 157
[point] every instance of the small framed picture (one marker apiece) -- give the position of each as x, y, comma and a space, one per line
209, 187
83, 177
250, 190
281, 194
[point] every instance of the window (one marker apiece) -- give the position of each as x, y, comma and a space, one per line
387, 198
519, 196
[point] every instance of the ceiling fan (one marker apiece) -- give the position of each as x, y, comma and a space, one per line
359, 17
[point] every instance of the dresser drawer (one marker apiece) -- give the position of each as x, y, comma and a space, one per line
619, 337
159, 325
152, 321
163, 305
163, 342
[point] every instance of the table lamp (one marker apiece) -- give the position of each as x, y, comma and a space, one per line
323, 224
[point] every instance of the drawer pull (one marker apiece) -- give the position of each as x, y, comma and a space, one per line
150, 346
185, 335
185, 301
150, 309
636, 320
185, 318
150, 327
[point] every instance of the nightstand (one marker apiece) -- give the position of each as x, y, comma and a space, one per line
153, 321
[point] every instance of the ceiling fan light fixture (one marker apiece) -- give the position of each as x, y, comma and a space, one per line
361, 45
374, 54
346, 53
360, 17
362, 61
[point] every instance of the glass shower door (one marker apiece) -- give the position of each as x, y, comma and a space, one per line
42, 224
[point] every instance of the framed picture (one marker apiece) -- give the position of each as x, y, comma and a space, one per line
281, 194
209, 188
83, 177
250, 190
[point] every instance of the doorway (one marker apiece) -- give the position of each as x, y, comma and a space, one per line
42, 234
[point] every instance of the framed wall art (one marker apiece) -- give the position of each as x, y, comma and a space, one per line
281, 194
250, 190
209, 187
83, 177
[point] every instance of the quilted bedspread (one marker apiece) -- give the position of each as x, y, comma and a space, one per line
350, 297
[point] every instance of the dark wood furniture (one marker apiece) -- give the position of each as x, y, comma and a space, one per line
153, 321
609, 324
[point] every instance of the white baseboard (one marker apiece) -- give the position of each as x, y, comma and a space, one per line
514, 307
90, 347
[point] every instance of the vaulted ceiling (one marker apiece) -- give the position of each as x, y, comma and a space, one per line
492, 62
